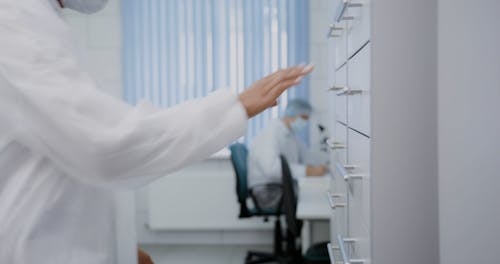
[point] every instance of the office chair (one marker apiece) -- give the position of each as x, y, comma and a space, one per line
239, 154
316, 254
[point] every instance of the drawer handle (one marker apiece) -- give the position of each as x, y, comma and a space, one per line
335, 88
331, 31
332, 203
343, 254
342, 169
335, 144
346, 4
349, 91
331, 254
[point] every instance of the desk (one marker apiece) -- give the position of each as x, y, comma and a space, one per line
312, 205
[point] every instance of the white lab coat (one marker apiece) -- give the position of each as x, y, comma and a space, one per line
264, 165
64, 144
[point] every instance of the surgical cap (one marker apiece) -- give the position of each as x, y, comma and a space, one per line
85, 6
298, 107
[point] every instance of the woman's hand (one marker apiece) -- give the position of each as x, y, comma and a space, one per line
265, 92
144, 257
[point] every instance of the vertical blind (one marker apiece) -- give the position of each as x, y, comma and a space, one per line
177, 50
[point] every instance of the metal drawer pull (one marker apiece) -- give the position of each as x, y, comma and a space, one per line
343, 8
331, 31
331, 254
336, 195
332, 203
335, 88
339, 205
343, 254
342, 169
350, 167
349, 91
335, 27
335, 144
349, 240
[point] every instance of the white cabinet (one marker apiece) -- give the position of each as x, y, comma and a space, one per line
351, 98
391, 63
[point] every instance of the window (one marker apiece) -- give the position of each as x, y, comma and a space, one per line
177, 50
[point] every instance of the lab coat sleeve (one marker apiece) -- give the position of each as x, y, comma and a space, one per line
305, 154
299, 169
268, 158
49, 104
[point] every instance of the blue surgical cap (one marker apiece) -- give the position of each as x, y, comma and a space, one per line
296, 107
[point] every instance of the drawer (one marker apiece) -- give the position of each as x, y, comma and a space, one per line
358, 244
338, 34
341, 100
340, 218
359, 184
358, 28
340, 42
340, 146
358, 102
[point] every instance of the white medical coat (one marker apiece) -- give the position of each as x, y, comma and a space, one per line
264, 165
64, 144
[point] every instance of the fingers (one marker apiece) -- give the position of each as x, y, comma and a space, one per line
274, 75
289, 74
295, 77
299, 71
281, 87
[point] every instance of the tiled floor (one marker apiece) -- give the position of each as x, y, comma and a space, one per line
200, 254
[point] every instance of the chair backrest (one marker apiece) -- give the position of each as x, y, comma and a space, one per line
289, 199
239, 154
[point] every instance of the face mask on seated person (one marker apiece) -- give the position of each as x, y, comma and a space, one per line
85, 6
298, 125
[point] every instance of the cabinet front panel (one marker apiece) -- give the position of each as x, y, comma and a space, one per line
341, 100
341, 138
359, 184
340, 41
358, 29
359, 244
359, 81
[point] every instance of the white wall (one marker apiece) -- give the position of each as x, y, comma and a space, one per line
404, 132
99, 36
469, 129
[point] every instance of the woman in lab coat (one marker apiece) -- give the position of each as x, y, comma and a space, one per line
63, 143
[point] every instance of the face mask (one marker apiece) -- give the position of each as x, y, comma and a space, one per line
298, 125
85, 6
